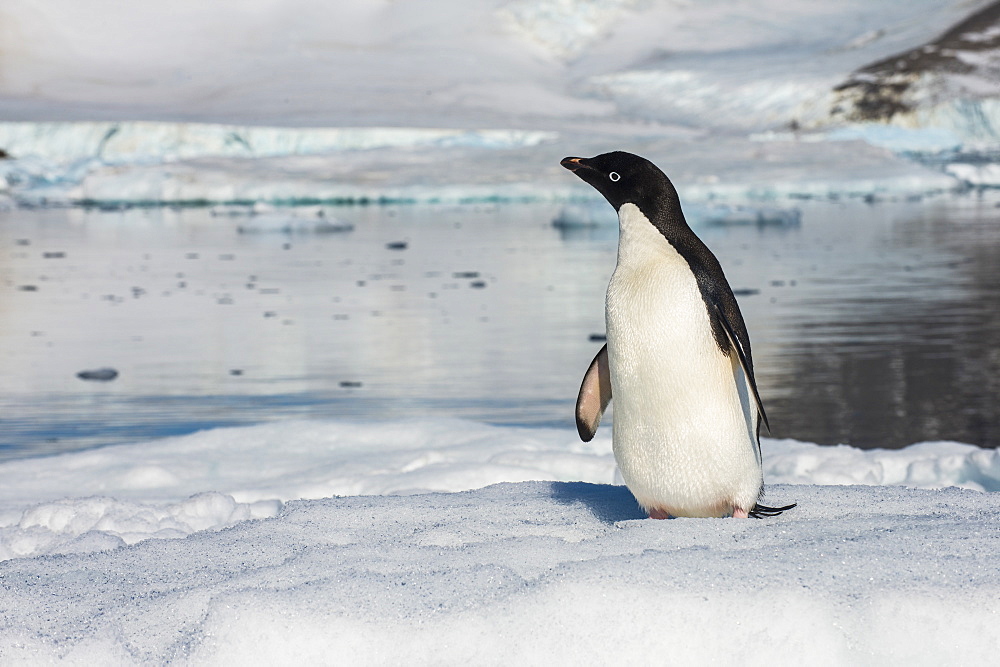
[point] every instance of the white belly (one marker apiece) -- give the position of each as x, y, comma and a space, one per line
684, 430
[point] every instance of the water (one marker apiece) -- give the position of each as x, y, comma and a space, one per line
872, 324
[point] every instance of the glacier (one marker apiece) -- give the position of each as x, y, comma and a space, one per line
144, 163
116, 142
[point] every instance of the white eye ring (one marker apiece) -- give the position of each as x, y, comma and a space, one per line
614, 177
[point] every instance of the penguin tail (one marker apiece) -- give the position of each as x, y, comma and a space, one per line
761, 511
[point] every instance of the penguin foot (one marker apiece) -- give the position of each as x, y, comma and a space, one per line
659, 514
740, 514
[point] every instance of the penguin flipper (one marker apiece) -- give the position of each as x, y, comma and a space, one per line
747, 370
594, 396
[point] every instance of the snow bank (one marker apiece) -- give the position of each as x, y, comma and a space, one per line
534, 572
173, 487
926, 465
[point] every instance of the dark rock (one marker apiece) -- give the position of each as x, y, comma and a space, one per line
888, 87
98, 374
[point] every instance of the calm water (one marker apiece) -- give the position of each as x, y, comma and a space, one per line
875, 325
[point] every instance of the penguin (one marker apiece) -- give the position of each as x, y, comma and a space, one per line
677, 359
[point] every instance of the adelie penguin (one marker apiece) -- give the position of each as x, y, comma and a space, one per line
677, 360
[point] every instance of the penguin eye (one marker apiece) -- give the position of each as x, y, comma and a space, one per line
614, 177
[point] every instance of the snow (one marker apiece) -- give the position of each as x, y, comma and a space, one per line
176, 486
300, 541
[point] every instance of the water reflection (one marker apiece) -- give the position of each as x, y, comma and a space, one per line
907, 350
872, 324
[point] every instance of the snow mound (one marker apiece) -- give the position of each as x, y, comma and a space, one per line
122, 494
925, 465
99, 523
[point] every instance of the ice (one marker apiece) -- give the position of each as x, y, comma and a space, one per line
596, 213
302, 220
518, 168
970, 120
900, 139
987, 175
135, 141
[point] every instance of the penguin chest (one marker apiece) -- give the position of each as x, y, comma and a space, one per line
683, 431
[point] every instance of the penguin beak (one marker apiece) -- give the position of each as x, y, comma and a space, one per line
574, 163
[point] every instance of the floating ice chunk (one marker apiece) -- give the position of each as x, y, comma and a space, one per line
231, 210
595, 213
263, 220
744, 215
598, 213
979, 175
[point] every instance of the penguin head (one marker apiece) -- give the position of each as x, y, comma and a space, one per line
623, 178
